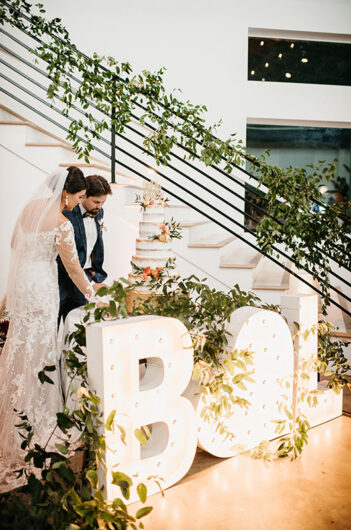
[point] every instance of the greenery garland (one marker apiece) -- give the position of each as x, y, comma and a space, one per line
59, 496
310, 238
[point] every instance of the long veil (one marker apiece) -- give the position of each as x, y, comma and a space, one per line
31, 344
39, 215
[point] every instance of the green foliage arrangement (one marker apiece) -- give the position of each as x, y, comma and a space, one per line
60, 493
205, 312
59, 496
311, 238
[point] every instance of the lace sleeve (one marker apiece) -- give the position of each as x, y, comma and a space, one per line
66, 247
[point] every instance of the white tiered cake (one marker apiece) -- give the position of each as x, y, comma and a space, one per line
153, 246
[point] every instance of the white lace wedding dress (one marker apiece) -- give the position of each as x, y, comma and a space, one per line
32, 344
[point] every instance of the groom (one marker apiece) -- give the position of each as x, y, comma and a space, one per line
86, 219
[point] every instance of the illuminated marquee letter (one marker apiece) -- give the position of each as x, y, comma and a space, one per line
114, 350
267, 335
304, 310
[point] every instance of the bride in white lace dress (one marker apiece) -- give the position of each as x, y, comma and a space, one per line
40, 234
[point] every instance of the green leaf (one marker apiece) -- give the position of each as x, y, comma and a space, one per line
121, 479
142, 492
64, 422
143, 511
92, 477
62, 448
123, 434
43, 378
140, 435
109, 421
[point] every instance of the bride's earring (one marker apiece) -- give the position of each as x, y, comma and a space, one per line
66, 202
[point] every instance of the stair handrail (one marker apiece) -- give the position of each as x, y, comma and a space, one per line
74, 48
196, 169
338, 262
184, 201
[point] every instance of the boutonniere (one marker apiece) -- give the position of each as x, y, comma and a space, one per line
101, 225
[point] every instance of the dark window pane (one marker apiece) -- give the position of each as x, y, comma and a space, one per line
299, 61
298, 146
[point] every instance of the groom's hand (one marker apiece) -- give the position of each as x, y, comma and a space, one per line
98, 285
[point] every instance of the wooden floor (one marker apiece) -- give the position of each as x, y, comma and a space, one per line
312, 493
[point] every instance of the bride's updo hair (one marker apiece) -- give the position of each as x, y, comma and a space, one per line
75, 180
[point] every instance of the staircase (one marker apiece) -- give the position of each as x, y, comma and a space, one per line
208, 202
205, 250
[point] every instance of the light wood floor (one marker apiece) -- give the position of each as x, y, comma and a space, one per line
312, 493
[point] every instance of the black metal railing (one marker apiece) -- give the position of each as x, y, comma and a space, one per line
184, 190
194, 155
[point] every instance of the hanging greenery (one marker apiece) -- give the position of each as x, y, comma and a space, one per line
311, 238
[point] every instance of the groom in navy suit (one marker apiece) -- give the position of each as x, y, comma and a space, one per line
86, 219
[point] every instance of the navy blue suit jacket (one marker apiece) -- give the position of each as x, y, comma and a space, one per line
70, 296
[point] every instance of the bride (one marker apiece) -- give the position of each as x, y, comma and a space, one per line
32, 296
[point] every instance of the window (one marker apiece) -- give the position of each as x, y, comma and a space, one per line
299, 61
298, 146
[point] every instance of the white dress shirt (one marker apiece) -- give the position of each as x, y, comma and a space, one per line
91, 235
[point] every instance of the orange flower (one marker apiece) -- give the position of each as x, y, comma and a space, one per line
151, 202
144, 277
147, 271
163, 227
155, 273
162, 238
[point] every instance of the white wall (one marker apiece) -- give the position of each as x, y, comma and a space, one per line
203, 44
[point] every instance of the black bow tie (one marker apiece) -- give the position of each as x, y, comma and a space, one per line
87, 214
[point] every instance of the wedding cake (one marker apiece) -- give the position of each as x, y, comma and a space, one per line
153, 258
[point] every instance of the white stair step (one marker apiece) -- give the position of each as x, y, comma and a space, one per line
269, 276
238, 255
49, 144
209, 231
212, 242
183, 214
87, 169
14, 122
5, 115
192, 224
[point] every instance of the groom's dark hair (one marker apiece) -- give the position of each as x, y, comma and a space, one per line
97, 185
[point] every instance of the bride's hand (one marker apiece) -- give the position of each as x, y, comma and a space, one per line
101, 304
97, 286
